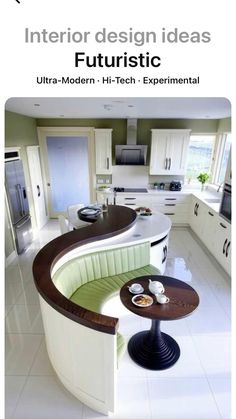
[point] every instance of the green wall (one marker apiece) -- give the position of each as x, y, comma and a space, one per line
144, 127
224, 125
20, 130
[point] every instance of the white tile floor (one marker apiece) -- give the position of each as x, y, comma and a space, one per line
197, 387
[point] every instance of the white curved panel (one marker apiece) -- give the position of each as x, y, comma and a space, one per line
84, 359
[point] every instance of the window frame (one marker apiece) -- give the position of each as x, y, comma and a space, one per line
213, 157
217, 153
221, 142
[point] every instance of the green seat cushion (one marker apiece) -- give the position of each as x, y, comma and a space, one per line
93, 266
93, 295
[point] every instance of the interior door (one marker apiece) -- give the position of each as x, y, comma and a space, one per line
37, 185
69, 168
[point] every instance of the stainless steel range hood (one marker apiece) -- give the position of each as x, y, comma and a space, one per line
131, 153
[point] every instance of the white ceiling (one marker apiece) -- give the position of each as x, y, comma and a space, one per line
187, 108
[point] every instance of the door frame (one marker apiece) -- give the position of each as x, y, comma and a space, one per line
33, 149
43, 133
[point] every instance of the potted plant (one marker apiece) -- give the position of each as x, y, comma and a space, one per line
203, 178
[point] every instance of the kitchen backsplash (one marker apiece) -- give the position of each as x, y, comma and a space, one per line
134, 176
130, 176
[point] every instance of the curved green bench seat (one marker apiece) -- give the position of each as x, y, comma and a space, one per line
90, 280
94, 294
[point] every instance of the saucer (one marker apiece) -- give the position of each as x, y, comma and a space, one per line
141, 289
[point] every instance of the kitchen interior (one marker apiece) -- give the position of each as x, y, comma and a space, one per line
141, 153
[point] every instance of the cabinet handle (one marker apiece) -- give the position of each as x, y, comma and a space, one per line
107, 163
210, 213
195, 209
170, 205
169, 213
170, 199
197, 206
166, 162
222, 225
227, 249
163, 259
164, 254
224, 246
130, 203
129, 198
169, 163
38, 189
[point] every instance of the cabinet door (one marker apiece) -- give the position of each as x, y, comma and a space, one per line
177, 152
159, 151
103, 145
223, 245
208, 230
198, 217
37, 185
169, 150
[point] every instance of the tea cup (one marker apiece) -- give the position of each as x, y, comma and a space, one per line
162, 298
135, 288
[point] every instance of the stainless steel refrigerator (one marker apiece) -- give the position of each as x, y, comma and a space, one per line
18, 204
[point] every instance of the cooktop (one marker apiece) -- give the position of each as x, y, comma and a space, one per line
119, 189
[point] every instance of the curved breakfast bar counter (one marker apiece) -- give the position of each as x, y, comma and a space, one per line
82, 344
109, 224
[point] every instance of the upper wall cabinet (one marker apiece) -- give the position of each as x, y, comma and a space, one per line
103, 146
169, 150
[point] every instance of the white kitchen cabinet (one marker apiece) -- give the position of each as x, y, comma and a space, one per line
197, 217
36, 179
213, 231
103, 147
222, 245
169, 149
175, 207
208, 228
133, 200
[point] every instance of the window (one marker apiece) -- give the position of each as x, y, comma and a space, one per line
200, 155
223, 158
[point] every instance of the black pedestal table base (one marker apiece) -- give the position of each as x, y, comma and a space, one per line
153, 349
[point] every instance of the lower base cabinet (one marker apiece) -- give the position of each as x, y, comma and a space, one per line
222, 248
213, 231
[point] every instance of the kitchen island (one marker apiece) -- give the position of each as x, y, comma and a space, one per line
83, 345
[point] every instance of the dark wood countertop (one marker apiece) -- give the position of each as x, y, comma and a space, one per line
117, 220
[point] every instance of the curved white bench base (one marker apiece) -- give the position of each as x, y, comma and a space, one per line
92, 382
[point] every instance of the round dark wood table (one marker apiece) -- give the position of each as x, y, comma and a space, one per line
153, 349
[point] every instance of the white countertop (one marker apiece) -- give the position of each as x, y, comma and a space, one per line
152, 229
186, 190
